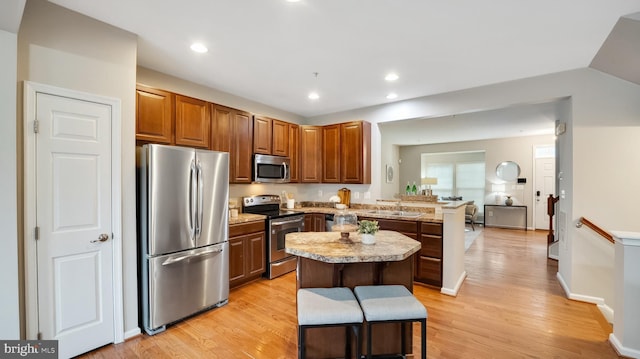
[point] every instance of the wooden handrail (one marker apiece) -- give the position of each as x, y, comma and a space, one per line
596, 229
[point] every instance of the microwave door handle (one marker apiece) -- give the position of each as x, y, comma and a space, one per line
286, 170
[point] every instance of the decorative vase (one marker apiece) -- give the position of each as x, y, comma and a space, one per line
368, 238
508, 201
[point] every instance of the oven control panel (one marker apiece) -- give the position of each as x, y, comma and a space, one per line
260, 200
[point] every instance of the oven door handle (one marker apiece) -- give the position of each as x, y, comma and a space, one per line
279, 223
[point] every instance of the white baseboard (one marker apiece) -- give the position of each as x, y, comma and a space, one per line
626, 352
454, 291
606, 311
131, 333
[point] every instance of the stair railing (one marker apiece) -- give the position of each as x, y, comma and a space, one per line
595, 228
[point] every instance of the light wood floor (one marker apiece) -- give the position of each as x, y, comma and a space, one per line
510, 306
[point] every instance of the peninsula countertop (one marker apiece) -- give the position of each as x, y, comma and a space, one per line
327, 247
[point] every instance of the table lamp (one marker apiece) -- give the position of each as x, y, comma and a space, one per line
429, 181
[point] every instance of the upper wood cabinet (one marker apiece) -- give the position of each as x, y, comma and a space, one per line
241, 140
262, 132
280, 139
154, 115
355, 152
294, 151
270, 136
346, 155
310, 154
221, 122
193, 120
232, 131
331, 154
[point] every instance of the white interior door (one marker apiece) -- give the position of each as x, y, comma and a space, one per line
74, 199
544, 186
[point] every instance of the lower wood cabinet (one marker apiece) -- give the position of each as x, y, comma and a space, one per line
247, 256
314, 222
429, 261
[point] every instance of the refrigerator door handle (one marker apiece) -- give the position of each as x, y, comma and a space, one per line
193, 200
200, 197
189, 256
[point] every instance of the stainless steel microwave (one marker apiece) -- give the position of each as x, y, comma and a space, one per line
271, 169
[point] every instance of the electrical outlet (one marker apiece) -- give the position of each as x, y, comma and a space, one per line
356, 195
319, 193
367, 195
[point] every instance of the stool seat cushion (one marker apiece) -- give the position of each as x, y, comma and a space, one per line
320, 306
389, 302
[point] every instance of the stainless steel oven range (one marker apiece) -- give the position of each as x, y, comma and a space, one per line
279, 222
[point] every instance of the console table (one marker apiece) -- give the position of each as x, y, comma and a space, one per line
499, 215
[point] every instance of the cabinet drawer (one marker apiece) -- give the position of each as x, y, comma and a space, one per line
398, 226
431, 228
245, 228
431, 246
430, 270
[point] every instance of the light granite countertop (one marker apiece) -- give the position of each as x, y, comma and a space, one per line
246, 218
327, 247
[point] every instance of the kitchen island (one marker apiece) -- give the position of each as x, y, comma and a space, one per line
326, 261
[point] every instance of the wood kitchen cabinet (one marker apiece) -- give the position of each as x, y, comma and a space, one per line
280, 138
294, 151
232, 131
310, 154
241, 139
154, 115
314, 222
270, 136
262, 134
346, 156
192, 122
355, 152
429, 261
247, 256
331, 154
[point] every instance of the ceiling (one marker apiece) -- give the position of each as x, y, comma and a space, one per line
268, 50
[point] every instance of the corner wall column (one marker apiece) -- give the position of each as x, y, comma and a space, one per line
626, 317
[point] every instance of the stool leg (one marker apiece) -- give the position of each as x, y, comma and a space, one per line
301, 349
423, 334
356, 329
347, 345
369, 355
402, 339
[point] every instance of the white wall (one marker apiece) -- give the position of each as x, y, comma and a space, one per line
517, 149
598, 101
9, 296
61, 48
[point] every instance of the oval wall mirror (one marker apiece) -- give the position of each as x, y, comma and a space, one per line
508, 171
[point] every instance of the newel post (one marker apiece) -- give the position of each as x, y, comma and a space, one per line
626, 312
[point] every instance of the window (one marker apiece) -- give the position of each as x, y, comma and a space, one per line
459, 174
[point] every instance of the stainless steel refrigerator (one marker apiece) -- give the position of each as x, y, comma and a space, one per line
183, 233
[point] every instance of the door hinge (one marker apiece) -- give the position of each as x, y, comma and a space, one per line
36, 233
36, 126
39, 336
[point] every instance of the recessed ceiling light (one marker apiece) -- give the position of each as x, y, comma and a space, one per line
314, 96
391, 96
199, 48
391, 77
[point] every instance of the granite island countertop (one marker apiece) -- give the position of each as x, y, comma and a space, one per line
327, 247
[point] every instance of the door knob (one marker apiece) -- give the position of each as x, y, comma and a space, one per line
101, 238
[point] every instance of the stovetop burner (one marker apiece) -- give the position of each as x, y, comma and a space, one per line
268, 205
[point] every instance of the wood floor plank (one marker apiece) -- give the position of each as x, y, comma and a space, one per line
510, 306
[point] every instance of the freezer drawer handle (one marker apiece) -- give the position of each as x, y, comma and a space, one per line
188, 256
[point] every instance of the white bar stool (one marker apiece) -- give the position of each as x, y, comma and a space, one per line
388, 304
329, 307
